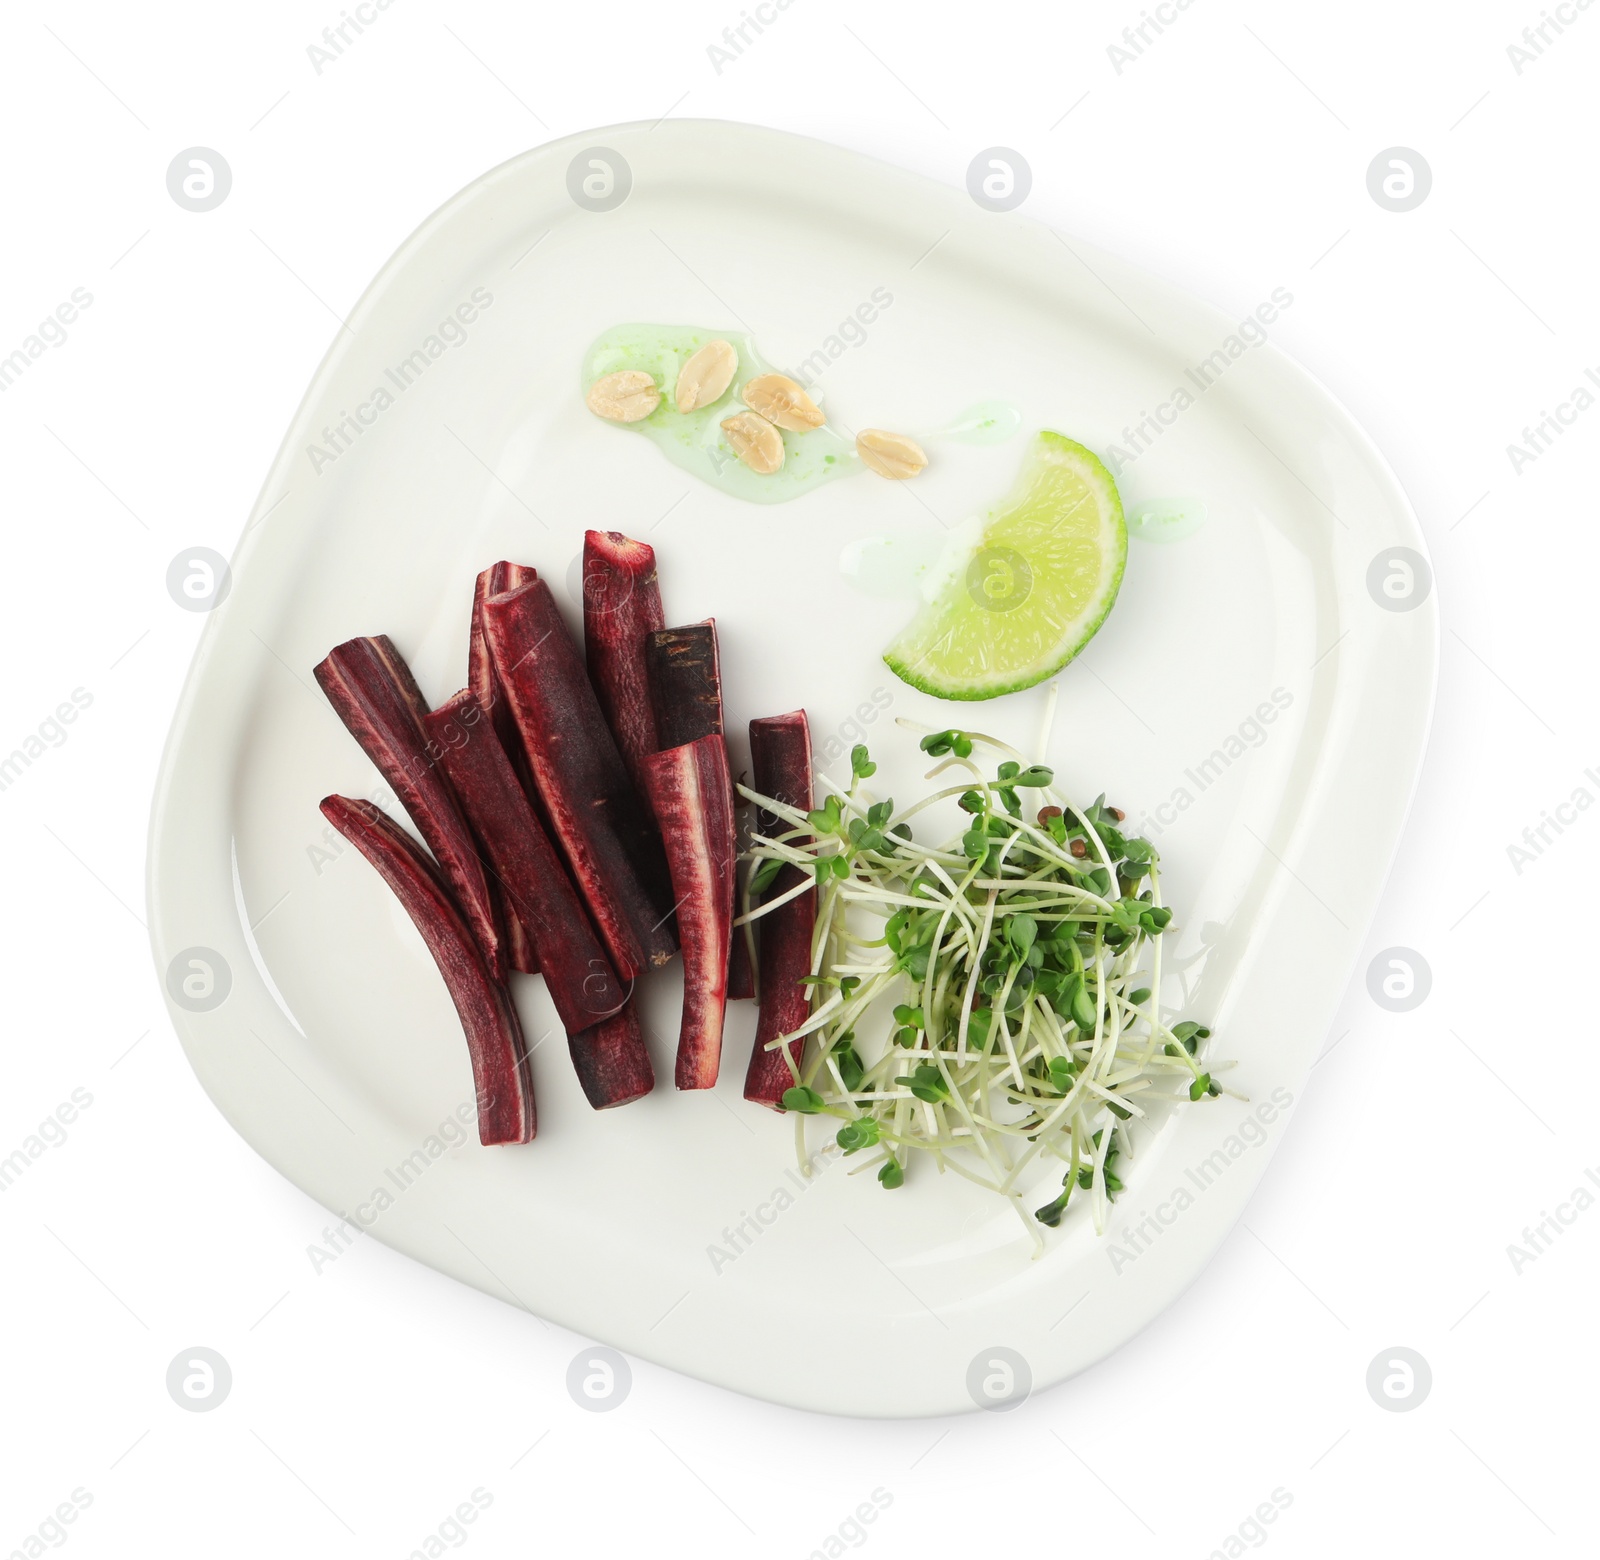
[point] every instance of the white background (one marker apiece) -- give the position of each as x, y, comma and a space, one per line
371, 1399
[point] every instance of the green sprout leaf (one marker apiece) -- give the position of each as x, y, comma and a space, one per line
938, 743
1051, 1212
1021, 930
911, 1022
825, 819
927, 1083
848, 1061
894, 928
978, 1026
765, 875
857, 1134
1083, 1010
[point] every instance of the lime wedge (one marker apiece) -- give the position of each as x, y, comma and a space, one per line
1039, 583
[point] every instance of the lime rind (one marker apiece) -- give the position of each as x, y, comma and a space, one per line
1041, 581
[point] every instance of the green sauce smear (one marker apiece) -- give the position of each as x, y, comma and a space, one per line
1166, 520
695, 440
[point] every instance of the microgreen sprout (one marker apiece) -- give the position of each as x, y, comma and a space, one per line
990, 1003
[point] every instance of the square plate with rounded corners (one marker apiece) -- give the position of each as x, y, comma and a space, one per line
1255, 702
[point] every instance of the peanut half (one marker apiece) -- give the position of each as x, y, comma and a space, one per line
755, 441
891, 455
706, 376
628, 396
780, 400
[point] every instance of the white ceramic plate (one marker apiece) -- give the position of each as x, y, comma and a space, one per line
336, 1052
